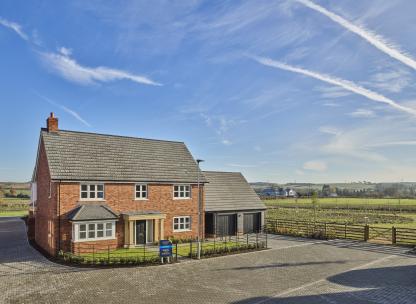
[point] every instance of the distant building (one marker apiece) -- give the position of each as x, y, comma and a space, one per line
290, 192
278, 193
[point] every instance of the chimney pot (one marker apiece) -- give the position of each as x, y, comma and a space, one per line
52, 123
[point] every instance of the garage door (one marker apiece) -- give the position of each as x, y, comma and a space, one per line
252, 222
226, 224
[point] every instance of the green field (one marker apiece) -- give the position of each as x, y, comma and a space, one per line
13, 213
375, 212
343, 201
6, 200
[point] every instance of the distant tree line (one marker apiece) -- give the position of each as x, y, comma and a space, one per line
396, 190
368, 190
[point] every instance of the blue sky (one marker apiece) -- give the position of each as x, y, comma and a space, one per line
282, 91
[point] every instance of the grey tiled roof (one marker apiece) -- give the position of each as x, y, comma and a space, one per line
98, 157
88, 212
228, 191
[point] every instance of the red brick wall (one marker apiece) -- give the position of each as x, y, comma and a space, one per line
45, 214
120, 198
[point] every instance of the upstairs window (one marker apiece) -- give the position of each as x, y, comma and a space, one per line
92, 191
141, 191
181, 191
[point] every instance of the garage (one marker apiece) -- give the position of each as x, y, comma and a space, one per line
252, 222
226, 224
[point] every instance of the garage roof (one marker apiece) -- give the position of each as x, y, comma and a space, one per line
229, 191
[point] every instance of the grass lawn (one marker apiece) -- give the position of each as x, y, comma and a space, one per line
13, 213
153, 251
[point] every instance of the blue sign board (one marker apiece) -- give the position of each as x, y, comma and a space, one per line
165, 248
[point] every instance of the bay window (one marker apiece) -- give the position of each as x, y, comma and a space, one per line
93, 231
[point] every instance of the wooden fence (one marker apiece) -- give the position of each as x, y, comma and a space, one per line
327, 230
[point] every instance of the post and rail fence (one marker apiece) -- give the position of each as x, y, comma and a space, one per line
333, 230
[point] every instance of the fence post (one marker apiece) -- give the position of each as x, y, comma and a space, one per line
393, 235
176, 251
366, 233
247, 240
190, 249
345, 230
257, 240
276, 225
93, 254
266, 240
108, 254
144, 252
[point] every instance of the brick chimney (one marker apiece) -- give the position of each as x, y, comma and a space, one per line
52, 123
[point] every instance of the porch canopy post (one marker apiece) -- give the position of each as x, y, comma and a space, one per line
129, 223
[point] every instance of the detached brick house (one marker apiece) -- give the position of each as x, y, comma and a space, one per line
122, 191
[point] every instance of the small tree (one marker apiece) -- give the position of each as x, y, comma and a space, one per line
315, 202
12, 192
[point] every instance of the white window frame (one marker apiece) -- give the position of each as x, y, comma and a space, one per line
88, 191
185, 223
141, 191
182, 191
76, 231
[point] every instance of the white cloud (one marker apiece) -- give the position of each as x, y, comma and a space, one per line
331, 104
315, 165
333, 92
17, 28
65, 51
62, 64
394, 143
329, 130
364, 113
346, 84
374, 39
66, 109
299, 172
353, 143
226, 142
392, 81
241, 165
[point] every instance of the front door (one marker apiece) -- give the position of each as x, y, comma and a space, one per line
141, 232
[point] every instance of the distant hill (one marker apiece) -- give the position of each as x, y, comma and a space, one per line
313, 186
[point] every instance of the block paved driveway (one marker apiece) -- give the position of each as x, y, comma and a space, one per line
293, 271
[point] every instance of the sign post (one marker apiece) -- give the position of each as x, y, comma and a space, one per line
165, 250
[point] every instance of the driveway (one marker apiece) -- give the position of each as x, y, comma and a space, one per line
293, 271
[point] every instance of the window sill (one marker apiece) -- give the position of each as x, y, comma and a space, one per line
99, 200
94, 240
182, 198
141, 199
187, 230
